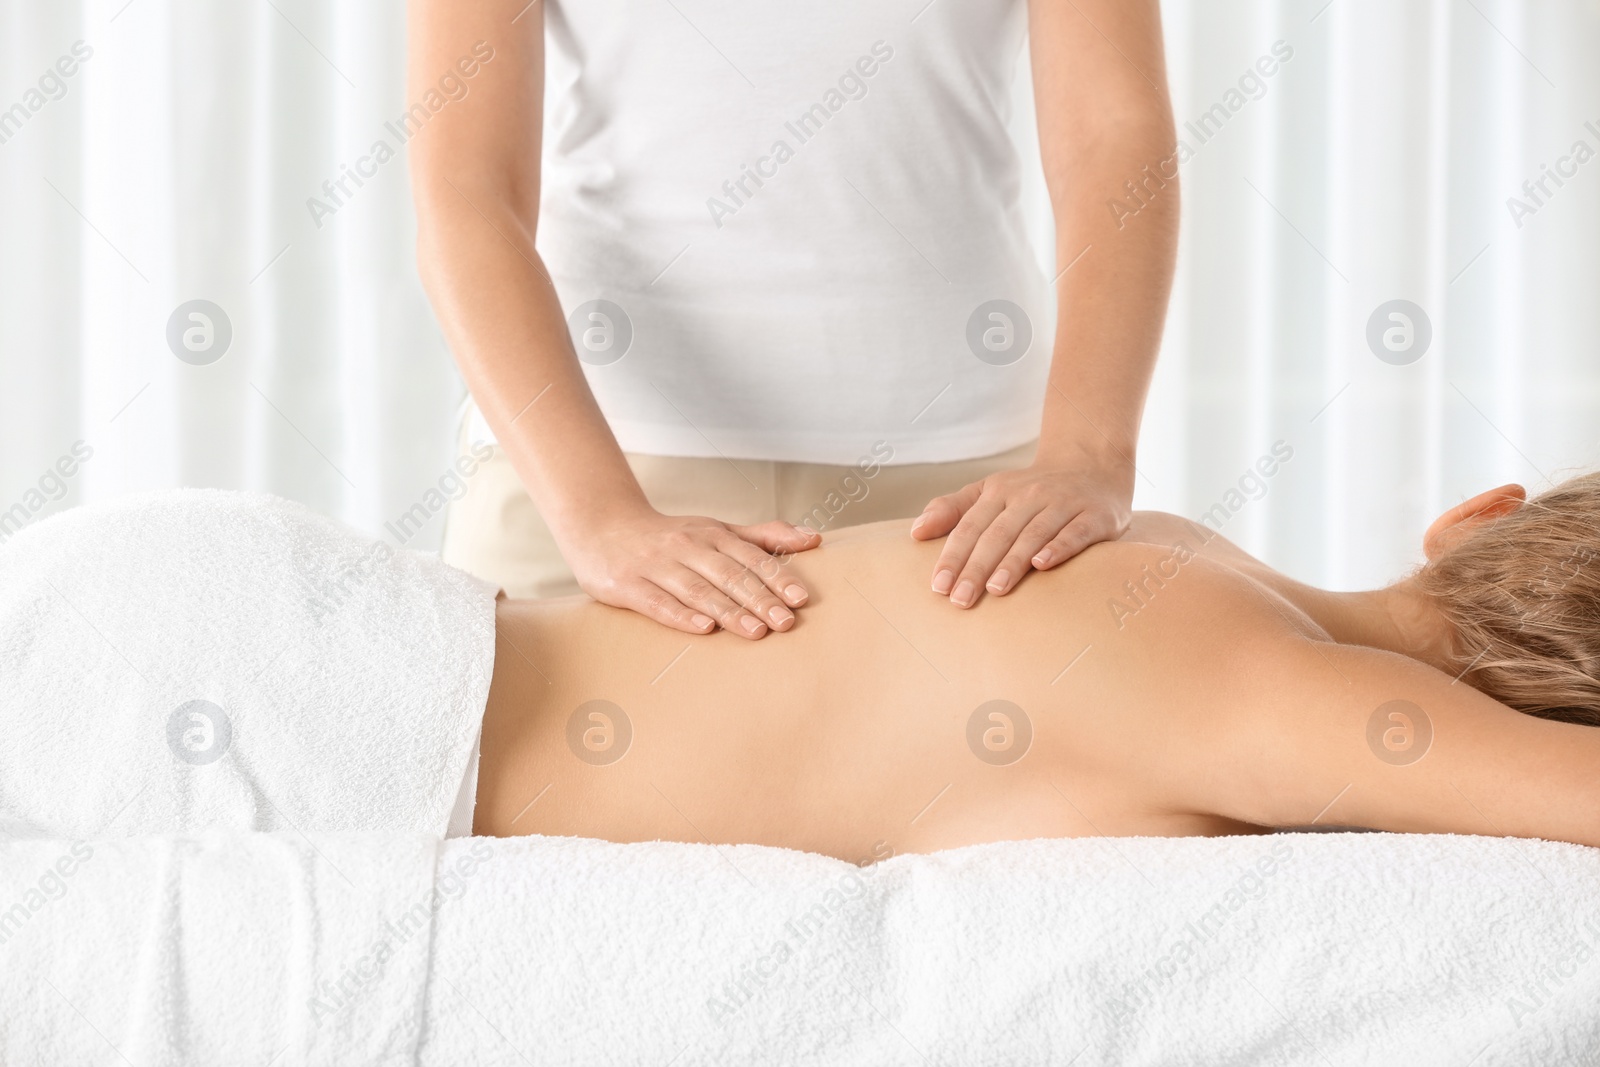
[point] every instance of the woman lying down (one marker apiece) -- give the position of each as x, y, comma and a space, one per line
203, 660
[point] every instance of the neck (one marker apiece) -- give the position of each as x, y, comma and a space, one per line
1398, 618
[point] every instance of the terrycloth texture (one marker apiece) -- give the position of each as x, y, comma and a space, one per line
1344, 949
219, 949
202, 660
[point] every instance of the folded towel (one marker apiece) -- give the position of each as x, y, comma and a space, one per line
203, 659
1289, 949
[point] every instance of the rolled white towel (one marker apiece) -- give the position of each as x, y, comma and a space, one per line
201, 659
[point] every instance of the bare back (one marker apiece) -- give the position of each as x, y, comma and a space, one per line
1088, 701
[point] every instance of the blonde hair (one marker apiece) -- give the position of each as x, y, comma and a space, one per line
1522, 593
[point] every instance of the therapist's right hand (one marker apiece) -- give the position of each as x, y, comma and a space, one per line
693, 573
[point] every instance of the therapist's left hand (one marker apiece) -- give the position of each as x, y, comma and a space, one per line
1035, 518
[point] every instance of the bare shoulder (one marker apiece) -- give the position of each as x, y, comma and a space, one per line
1346, 735
1184, 586
1263, 719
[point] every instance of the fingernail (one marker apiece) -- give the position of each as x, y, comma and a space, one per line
920, 520
942, 582
965, 594
703, 621
999, 580
780, 616
804, 531
1043, 558
752, 625
795, 595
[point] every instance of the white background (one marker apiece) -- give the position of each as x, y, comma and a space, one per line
1377, 165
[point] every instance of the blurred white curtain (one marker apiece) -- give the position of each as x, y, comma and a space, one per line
1374, 164
176, 167
1376, 167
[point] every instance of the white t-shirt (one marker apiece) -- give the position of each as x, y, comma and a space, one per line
789, 231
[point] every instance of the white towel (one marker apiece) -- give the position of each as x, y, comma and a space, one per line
201, 659
1343, 949
1287, 949
209, 950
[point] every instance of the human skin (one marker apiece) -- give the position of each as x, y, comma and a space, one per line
1227, 699
1104, 114
1105, 117
475, 180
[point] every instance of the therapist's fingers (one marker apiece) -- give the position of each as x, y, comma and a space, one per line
743, 583
779, 537
769, 572
1023, 554
654, 602
700, 592
959, 545
1084, 530
992, 545
944, 512
763, 547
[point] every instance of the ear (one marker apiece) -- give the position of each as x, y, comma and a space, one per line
1468, 515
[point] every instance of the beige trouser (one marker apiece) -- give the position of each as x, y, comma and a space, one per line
494, 531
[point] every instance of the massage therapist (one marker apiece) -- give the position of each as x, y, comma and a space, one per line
782, 276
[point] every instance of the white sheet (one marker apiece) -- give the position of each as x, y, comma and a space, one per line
1344, 949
